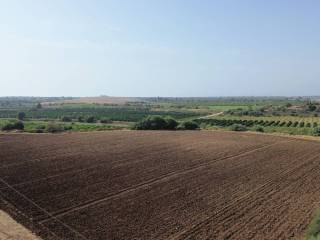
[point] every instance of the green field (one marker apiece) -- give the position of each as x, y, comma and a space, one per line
298, 116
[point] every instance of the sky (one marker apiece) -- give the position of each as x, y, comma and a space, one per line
177, 48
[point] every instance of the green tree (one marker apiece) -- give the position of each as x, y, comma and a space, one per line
312, 107
18, 125
39, 106
189, 125
91, 119
21, 116
66, 119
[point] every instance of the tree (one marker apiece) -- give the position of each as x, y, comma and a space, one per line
171, 124
80, 119
156, 123
316, 131
39, 106
312, 107
91, 119
21, 116
151, 123
13, 126
105, 120
189, 125
66, 119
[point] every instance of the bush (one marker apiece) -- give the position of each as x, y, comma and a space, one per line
21, 116
171, 124
281, 124
312, 107
68, 127
66, 119
54, 128
189, 125
316, 131
238, 128
156, 123
13, 126
105, 120
259, 129
39, 129
91, 119
39, 106
313, 231
80, 119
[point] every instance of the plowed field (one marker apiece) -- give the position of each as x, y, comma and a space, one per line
160, 184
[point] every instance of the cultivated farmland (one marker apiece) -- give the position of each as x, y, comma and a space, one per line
160, 184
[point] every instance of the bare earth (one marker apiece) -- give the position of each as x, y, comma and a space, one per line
11, 230
161, 184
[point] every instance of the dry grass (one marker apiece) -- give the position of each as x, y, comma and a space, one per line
10, 229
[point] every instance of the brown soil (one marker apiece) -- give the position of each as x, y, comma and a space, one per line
162, 185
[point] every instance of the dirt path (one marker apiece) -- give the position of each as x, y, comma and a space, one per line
211, 115
11, 230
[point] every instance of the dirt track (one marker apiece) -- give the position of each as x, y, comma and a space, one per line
10, 230
161, 185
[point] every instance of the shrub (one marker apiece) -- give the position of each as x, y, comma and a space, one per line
13, 126
189, 125
271, 123
313, 231
54, 128
91, 119
21, 116
39, 129
259, 129
316, 131
67, 127
281, 124
171, 123
66, 119
39, 106
80, 119
238, 127
276, 123
156, 123
105, 120
312, 107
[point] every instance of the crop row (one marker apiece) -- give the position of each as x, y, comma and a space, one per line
113, 113
249, 123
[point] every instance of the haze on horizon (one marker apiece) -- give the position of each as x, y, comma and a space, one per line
159, 48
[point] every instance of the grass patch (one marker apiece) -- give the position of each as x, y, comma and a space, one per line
39, 126
313, 231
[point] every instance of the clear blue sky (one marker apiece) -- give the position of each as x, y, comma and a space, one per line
159, 47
